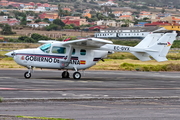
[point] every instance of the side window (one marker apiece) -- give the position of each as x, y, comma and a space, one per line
58, 50
73, 52
82, 52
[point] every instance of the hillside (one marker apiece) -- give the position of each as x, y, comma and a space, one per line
160, 2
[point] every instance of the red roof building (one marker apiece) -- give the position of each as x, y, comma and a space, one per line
48, 15
46, 5
158, 23
69, 21
38, 4
98, 27
32, 3
10, 22
4, 3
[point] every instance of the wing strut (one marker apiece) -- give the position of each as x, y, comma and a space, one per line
66, 60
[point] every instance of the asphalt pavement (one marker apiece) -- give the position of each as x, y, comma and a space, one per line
98, 95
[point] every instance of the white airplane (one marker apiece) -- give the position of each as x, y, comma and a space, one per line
84, 53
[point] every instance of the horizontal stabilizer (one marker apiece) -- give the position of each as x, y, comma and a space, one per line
141, 56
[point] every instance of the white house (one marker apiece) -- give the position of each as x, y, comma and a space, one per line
40, 9
30, 18
111, 23
126, 13
109, 3
36, 25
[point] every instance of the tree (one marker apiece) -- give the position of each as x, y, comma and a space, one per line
46, 20
126, 22
6, 30
163, 10
68, 27
111, 15
58, 22
60, 11
23, 20
37, 20
52, 27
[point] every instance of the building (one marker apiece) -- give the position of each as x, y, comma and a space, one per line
111, 23
125, 32
49, 15
4, 3
87, 15
117, 13
3, 18
11, 22
144, 14
30, 18
158, 23
126, 17
38, 25
109, 3
77, 21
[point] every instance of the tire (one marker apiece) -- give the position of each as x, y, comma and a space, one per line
65, 74
77, 75
27, 75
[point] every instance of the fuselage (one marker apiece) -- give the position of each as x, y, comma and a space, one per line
50, 56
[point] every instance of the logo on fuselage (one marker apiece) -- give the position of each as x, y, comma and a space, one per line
41, 59
22, 58
51, 60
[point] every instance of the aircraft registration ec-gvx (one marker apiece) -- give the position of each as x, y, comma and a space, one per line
84, 53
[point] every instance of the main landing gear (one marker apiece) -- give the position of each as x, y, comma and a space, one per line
76, 75
65, 74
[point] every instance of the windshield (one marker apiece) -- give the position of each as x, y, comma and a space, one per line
46, 47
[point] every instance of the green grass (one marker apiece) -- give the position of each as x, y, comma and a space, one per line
1, 99
42, 118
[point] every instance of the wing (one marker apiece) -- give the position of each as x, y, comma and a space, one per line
88, 42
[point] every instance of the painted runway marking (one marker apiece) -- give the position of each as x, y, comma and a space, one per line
8, 89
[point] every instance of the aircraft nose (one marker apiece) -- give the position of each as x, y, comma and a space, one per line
10, 54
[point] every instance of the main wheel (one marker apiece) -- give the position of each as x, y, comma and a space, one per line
77, 75
27, 75
65, 74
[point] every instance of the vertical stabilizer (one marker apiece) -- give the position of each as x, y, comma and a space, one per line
159, 49
145, 43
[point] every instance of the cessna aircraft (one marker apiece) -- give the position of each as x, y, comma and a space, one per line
84, 53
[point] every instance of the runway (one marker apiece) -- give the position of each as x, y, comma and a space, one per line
101, 95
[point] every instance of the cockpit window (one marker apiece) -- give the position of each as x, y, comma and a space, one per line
45, 48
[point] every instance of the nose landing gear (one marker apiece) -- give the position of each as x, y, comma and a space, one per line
27, 74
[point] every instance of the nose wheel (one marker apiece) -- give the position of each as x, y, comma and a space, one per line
77, 75
27, 75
